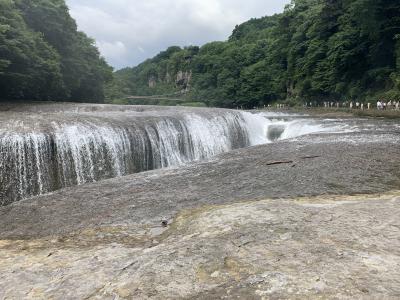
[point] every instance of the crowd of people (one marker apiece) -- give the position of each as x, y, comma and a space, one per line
380, 105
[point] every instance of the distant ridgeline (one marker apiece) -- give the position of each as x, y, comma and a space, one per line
44, 57
315, 50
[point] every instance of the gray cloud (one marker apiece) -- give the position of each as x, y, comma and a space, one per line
129, 31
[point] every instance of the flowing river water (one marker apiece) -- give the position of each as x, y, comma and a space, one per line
313, 199
51, 146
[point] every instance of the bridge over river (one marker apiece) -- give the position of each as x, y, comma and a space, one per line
168, 97
155, 98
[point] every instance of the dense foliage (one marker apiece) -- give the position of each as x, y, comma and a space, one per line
44, 57
315, 50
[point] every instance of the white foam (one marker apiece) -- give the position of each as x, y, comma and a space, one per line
260, 125
86, 150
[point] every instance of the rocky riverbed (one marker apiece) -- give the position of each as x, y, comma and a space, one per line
311, 217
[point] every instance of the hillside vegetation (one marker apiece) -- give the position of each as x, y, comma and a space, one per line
44, 57
315, 50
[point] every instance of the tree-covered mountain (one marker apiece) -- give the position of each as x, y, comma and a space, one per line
44, 57
315, 50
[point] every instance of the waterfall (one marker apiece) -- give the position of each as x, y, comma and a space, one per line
40, 155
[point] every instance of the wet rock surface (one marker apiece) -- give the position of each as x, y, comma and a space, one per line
318, 247
345, 164
272, 221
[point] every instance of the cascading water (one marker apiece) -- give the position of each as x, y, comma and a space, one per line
43, 153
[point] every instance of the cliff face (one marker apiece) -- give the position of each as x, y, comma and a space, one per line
182, 81
152, 82
170, 72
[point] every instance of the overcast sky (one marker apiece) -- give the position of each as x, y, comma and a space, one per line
129, 31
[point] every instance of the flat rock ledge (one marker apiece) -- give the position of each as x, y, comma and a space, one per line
337, 247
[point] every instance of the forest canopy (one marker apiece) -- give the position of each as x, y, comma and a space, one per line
44, 57
316, 50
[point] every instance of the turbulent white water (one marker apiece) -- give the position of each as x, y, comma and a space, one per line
45, 155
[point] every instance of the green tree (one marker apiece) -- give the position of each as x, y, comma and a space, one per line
315, 50
44, 57
29, 67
